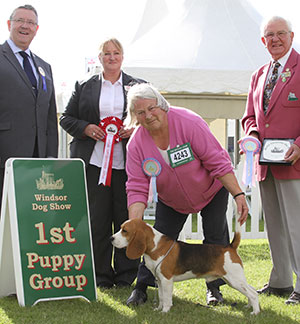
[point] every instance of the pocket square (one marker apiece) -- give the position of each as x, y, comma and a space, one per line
292, 97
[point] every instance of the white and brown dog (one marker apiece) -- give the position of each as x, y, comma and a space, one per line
171, 261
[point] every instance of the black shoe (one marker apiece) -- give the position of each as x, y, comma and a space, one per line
214, 297
137, 297
275, 291
293, 299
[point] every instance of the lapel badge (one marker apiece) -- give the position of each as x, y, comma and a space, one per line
127, 88
285, 75
42, 72
292, 97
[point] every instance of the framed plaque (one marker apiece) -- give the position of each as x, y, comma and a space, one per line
274, 149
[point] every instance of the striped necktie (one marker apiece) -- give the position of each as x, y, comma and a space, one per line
270, 85
29, 71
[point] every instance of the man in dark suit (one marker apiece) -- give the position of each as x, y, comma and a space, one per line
28, 121
273, 112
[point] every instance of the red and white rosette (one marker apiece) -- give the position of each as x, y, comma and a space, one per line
111, 126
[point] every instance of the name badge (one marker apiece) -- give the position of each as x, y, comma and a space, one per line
180, 155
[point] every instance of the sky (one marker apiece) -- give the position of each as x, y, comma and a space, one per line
71, 30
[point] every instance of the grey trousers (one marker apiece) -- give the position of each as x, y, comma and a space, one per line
281, 205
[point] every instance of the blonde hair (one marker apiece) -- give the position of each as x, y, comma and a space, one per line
113, 40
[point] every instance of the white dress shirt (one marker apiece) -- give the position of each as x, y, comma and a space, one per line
111, 103
282, 62
16, 51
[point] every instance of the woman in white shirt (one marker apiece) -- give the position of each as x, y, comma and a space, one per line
101, 98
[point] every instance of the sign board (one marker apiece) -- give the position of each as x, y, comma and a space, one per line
45, 237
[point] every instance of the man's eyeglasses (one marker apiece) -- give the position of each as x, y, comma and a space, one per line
281, 34
22, 21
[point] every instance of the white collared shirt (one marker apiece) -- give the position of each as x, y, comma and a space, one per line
282, 62
16, 51
111, 103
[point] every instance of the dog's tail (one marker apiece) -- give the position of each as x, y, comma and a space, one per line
237, 235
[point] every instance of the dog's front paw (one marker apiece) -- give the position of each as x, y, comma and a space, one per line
255, 312
158, 308
256, 309
165, 309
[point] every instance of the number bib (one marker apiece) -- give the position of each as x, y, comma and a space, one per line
180, 155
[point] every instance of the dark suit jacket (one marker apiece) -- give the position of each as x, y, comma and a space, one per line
23, 116
83, 109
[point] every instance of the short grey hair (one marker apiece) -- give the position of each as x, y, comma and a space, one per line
143, 91
27, 7
273, 19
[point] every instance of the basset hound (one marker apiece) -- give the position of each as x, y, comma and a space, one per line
171, 261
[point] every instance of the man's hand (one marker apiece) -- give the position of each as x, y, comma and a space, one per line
292, 154
253, 134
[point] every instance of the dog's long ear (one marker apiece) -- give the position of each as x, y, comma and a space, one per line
137, 246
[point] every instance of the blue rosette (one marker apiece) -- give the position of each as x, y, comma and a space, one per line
250, 146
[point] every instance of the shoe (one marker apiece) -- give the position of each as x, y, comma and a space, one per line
137, 297
105, 285
12, 295
214, 297
275, 291
293, 299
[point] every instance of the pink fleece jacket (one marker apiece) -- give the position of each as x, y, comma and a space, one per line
189, 187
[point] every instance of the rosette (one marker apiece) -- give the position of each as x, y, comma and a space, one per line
152, 168
111, 126
250, 146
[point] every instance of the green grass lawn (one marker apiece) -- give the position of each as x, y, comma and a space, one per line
188, 301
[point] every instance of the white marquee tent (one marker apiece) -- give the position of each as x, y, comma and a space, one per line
199, 46
201, 55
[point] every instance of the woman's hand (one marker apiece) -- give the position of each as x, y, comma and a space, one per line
242, 208
230, 182
94, 132
126, 132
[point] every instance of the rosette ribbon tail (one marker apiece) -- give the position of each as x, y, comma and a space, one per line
248, 169
153, 196
44, 83
152, 168
150, 193
106, 170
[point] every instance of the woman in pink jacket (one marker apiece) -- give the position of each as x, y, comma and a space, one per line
195, 174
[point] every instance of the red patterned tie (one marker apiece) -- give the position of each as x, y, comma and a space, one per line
270, 85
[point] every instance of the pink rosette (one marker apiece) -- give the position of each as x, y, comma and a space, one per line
250, 146
152, 168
